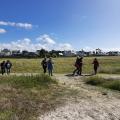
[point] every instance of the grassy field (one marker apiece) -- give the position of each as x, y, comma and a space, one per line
66, 65
26, 97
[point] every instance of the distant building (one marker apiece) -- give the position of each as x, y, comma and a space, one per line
25, 53
114, 53
69, 53
60, 54
81, 53
5, 52
16, 53
32, 54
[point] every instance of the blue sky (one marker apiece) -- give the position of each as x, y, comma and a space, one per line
60, 24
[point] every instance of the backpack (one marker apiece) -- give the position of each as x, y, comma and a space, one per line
8, 65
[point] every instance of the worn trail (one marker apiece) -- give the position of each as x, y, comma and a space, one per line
90, 104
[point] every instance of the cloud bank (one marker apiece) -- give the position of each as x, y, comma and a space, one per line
42, 42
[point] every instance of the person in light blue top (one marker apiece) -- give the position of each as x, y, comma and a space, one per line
50, 66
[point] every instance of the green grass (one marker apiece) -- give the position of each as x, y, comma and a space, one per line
108, 65
25, 97
37, 81
110, 83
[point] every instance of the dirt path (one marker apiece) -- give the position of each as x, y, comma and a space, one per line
90, 103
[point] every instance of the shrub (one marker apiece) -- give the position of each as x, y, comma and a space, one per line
115, 85
31, 81
106, 83
94, 80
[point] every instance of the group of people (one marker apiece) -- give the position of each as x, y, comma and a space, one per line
79, 64
47, 65
5, 67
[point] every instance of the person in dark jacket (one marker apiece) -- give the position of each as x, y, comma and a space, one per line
96, 65
8, 66
44, 64
80, 64
50, 66
2, 67
77, 66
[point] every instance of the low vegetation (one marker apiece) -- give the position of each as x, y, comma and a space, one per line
102, 82
24, 97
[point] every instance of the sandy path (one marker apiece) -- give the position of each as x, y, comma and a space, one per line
89, 104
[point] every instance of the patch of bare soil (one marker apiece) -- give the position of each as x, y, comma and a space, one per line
91, 103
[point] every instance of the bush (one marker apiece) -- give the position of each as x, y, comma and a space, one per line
28, 81
94, 80
115, 85
106, 83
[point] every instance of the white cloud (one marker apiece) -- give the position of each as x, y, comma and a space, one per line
65, 46
25, 44
2, 31
42, 42
46, 39
24, 25
87, 48
20, 25
110, 49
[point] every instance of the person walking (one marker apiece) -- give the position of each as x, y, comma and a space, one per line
77, 66
8, 66
44, 65
2, 67
80, 64
50, 66
96, 65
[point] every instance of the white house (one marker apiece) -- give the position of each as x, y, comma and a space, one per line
114, 53
5, 52
69, 53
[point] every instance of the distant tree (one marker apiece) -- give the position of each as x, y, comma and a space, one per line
54, 55
42, 53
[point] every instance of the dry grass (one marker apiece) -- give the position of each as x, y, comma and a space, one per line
25, 97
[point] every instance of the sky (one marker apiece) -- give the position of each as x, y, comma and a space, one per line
60, 24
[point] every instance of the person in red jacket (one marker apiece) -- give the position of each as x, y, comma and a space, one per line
96, 65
